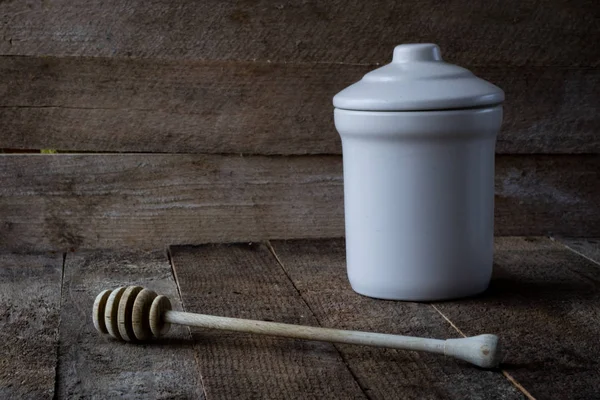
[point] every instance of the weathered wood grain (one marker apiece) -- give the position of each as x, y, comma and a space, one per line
318, 270
95, 366
546, 311
245, 281
557, 32
63, 202
95, 104
29, 318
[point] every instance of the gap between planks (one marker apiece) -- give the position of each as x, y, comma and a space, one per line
574, 251
508, 376
60, 302
183, 306
266, 62
342, 357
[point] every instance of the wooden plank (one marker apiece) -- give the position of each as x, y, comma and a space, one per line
317, 269
161, 106
540, 195
95, 366
29, 317
546, 311
91, 104
245, 281
148, 201
494, 32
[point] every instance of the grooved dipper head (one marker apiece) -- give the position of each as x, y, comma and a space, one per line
131, 313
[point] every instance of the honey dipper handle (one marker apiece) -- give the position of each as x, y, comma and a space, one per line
478, 350
305, 332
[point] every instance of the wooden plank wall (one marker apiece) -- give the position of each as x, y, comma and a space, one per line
236, 95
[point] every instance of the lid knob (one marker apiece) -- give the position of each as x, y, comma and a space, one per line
417, 52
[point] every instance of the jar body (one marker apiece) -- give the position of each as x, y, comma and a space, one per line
419, 201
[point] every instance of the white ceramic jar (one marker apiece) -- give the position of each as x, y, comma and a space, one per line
418, 138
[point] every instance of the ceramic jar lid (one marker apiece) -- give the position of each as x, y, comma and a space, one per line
418, 79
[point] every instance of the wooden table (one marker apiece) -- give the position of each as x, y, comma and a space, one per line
543, 302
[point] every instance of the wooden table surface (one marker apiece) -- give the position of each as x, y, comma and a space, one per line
543, 302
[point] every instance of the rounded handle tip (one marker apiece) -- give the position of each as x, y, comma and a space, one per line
483, 350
